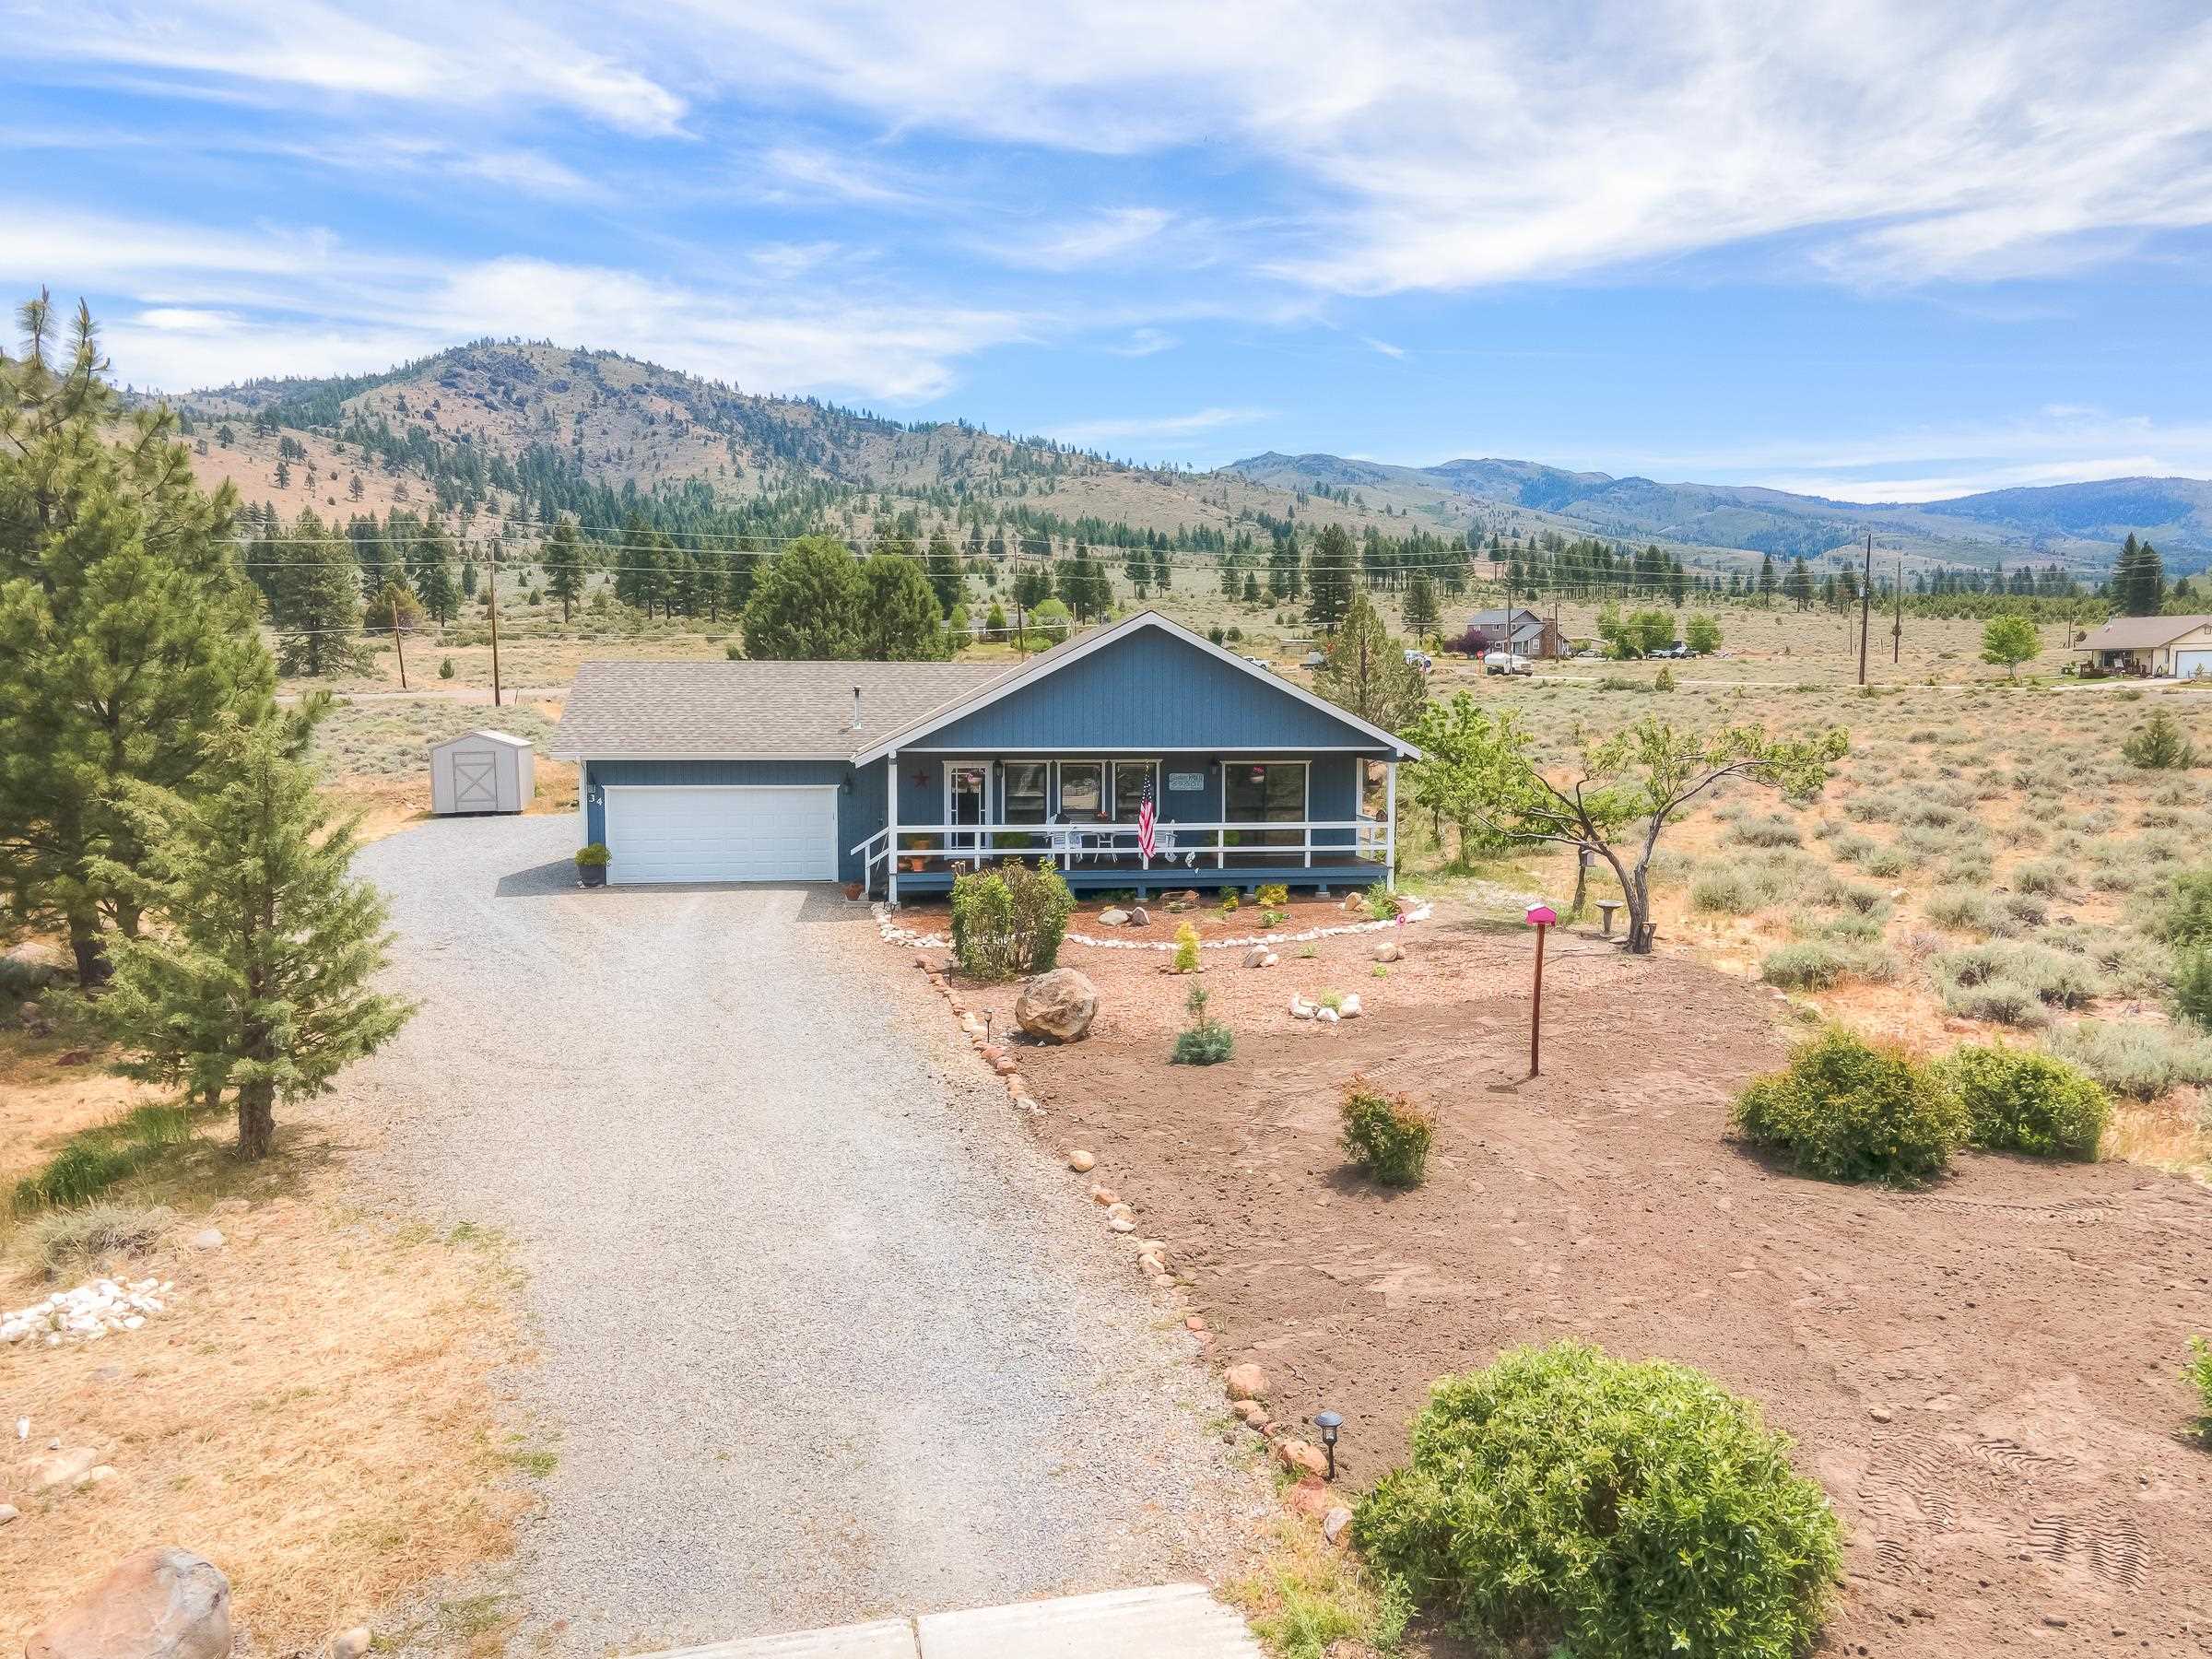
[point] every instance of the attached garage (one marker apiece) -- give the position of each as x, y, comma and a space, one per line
726, 832
2192, 665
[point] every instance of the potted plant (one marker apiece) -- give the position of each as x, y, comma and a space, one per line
914, 845
591, 864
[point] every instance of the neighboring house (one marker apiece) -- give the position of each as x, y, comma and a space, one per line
1524, 632
2176, 646
783, 771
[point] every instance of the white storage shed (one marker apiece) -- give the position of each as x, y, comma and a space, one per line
482, 772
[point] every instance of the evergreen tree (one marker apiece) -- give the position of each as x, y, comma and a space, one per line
431, 572
807, 604
1252, 587
260, 979
2139, 587
1421, 617
317, 604
126, 629
1163, 575
944, 580
1797, 586
899, 616
1329, 579
564, 561
1766, 578
1032, 586
1366, 672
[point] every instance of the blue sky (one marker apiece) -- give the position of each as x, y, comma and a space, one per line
1874, 250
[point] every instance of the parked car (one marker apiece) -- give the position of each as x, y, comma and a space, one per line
1258, 662
1675, 652
1505, 662
1421, 659
1313, 659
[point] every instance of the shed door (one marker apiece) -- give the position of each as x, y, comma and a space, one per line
695, 832
2188, 664
475, 781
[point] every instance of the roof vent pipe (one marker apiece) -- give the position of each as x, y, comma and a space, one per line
856, 708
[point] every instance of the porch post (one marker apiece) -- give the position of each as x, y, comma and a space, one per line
1389, 824
890, 825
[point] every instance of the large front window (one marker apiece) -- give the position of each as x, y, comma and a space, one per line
1082, 791
1025, 792
1129, 780
1264, 791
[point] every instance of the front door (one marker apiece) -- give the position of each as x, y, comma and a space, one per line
965, 789
1262, 791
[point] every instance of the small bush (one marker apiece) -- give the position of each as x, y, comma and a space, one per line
1809, 965
445, 668
1205, 1040
99, 1232
2021, 1101
1388, 1135
1559, 1500
1382, 903
1274, 894
1964, 907
2158, 746
2142, 1062
1850, 1111
1186, 949
2187, 918
1009, 921
2044, 875
95, 1160
1774, 831
2198, 1374
592, 856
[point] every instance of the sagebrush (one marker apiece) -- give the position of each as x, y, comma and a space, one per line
1559, 1500
1847, 1110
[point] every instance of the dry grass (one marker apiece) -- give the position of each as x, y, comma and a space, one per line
311, 1412
1308, 1599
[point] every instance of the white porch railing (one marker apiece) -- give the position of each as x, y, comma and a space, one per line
1179, 845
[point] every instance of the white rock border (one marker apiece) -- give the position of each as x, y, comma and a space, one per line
896, 934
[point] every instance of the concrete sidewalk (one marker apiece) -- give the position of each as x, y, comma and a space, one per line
1172, 1621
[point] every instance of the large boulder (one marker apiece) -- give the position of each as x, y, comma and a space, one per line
163, 1603
1057, 1006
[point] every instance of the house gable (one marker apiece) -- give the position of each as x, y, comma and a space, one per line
1149, 689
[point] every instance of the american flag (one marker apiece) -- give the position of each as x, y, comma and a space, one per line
1144, 820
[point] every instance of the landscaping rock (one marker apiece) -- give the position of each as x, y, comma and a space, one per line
37, 965
208, 1237
1057, 1006
1298, 1454
1005, 1065
1140, 917
164, 1603
1188, 896
1250, 1412
1334, 1523
350, 1645
1392, 952
1245, 1382
1121, 1212
1193, 1322
1114, 916
1080, 1161
1300, 1007
62, 1468
8, 1511
1120, 1224
1105, 1197
1327, 1016
1311, 1496
1354, 905
1349, 1007
1272, 959
1256, 957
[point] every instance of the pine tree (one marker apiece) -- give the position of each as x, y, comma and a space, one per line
317, 604
1421, 617
944, 580
1766, 578
430, 571
899, 616
126, 629
1797, 586
1365, 671
564, 561
1329, 578
259, 982
807, 604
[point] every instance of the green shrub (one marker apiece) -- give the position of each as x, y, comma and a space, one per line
1204, 1042
593, 857
2019, 1100
1774, 831
2193, 986
2187, 918
1559, 1500
2198, 1372
2044, 875
1382, 903
2158, 746
98, 1233
1809, 965
95, 1160
2142, 1062
1388, 1135
445, 668
1009, 921
1965, 906
1274, 894
1850, 1111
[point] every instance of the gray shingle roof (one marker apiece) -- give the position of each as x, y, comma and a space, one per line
2136, 634
745, 709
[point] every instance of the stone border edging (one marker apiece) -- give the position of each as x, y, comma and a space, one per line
895, 935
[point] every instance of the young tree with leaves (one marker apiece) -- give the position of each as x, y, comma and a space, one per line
807, 604
258, 981
1365, 672
126, 629
2008, 642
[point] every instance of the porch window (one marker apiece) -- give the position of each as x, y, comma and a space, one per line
1129, 778
1025, 792
1082, 789
1261, 792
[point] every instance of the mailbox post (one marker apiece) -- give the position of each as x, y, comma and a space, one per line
1540, 916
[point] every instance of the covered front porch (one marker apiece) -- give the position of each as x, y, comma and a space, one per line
1216, 820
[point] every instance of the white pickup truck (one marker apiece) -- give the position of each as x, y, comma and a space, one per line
1505, 662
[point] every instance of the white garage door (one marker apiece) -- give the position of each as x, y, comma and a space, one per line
698, 833
2188, 664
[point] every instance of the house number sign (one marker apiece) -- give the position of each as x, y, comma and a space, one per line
1187, 781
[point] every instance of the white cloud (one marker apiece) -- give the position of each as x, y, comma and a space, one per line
1101, 236
1384, 346
1163, 430
1145, 342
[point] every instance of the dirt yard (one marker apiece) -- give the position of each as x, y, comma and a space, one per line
1984, 1376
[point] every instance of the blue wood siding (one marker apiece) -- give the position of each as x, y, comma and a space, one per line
1146, 692
859, 809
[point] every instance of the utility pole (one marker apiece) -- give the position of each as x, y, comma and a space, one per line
396, 646
1896, 628
492, 565
1866, 605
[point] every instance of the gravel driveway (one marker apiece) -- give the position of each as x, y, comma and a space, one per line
824, 1333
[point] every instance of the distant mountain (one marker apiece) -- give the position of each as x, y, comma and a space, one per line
2070, 523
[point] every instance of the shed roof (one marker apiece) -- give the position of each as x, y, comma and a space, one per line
483, 734
2137, 633
749, 710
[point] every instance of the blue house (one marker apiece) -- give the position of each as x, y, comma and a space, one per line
901, 775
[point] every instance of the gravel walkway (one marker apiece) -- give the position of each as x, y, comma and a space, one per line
824, 1334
